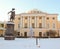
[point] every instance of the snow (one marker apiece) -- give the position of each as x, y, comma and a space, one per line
30, 43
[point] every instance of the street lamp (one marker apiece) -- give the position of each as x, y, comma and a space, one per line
32, 34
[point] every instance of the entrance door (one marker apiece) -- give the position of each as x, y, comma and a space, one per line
18, 33
40, 34
25, 34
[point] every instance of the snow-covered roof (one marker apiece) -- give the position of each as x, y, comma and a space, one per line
9, 22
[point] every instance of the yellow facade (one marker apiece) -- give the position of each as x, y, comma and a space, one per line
36, 22
2, 28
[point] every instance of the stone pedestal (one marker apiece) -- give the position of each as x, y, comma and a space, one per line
9, 38
9, 33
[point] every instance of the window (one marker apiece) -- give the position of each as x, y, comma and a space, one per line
47, 18
53, 18
33, 25
25, 34
40, 17
25, 25
18, 33
53, 25
40, 25
32, 17
18, 18
37, 11
40, 34
2, 25
25, 17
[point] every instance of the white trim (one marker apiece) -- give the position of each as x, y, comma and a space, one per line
35, 21
28, 22
33, 14
43, 21
10, 22
21, 23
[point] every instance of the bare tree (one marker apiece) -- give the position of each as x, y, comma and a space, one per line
51, 33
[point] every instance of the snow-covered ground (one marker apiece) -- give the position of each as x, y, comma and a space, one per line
30, 43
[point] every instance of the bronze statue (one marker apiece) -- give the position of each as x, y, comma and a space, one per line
12, 16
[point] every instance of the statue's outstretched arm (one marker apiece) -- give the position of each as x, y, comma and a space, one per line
9, 12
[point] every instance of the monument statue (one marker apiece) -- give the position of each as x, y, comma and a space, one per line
9, 33
12, 16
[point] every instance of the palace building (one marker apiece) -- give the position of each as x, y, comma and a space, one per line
2, 28
36, 23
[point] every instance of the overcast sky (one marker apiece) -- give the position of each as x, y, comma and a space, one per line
49, 6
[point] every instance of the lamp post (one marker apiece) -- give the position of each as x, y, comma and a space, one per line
36, 41
32, 34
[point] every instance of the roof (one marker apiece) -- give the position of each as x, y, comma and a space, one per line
35, 11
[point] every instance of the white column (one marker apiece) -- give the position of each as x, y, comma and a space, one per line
28, 21
43, 21
59, 32
35, 21
21, 22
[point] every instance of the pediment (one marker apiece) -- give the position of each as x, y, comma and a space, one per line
35, 11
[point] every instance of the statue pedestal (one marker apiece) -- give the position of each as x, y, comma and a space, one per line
9, 38
9, 33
